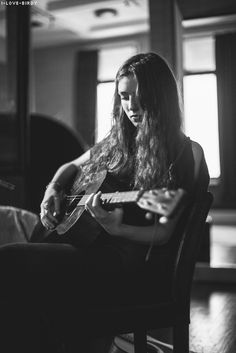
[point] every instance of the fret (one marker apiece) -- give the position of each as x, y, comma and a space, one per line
121, 197
113, 198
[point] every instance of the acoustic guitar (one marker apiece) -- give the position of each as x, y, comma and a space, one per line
163, 202
77, 224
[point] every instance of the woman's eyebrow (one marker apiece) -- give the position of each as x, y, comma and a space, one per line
122, 92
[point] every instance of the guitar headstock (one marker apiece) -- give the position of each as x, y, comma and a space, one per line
161, 201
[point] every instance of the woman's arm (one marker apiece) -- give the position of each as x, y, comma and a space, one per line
158, 233
51, 203
112, 223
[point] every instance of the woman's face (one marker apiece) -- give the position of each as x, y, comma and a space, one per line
128, 92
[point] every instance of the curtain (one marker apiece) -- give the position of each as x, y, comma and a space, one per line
226, 86
86, 94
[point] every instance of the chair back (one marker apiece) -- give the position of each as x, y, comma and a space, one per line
190, 230
188, 250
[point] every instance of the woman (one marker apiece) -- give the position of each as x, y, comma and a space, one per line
145, 149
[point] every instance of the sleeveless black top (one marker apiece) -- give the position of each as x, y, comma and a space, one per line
181, 173
156, 273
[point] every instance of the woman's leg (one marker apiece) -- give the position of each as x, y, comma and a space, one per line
53, 283
28, 273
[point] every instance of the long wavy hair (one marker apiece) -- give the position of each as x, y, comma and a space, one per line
144, 153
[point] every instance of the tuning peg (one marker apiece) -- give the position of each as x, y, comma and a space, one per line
149, 216
169, 194
163, 220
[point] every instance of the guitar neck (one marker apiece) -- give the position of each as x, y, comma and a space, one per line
113, 198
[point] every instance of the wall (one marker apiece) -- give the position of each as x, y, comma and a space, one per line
52, 81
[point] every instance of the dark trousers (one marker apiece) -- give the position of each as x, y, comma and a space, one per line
46, 288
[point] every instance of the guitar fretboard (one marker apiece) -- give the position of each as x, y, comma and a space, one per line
113, 198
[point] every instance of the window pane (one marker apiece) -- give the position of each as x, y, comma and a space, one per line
201, 117
109, 61
199, 54
105, 93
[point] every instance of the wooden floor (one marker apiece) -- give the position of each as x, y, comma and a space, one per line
213, 306
213, 309
213, 320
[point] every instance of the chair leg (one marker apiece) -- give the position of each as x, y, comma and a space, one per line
181, 338
140, 341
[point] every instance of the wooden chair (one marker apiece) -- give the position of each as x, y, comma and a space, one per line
172, 312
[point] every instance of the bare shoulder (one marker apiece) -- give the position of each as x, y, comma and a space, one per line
197, 149
198, 155
201, 173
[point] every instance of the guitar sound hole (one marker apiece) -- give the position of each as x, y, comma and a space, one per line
71, 205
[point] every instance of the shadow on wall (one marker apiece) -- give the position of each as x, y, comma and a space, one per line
52, 144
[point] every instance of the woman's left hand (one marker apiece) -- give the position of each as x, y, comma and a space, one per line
111, 221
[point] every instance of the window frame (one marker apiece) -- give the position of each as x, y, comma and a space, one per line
130, 43
96, 125
213, 181
216, 186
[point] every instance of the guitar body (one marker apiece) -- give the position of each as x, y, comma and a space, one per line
76, 226
74, 208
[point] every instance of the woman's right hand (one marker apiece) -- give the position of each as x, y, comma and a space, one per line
51, 207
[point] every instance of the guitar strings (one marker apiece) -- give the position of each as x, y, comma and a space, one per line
75, 196
80, 196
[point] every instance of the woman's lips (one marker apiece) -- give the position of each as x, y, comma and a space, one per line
136, 118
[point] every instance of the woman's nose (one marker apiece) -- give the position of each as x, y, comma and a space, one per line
133, 103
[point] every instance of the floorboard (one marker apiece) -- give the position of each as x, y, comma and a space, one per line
213, 306
213, 320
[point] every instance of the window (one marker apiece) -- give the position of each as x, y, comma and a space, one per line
109, 61
200, 99
104, 107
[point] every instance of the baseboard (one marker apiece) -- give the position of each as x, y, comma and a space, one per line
223, 216
205, 273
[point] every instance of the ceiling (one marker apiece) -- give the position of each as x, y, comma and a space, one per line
57, 21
